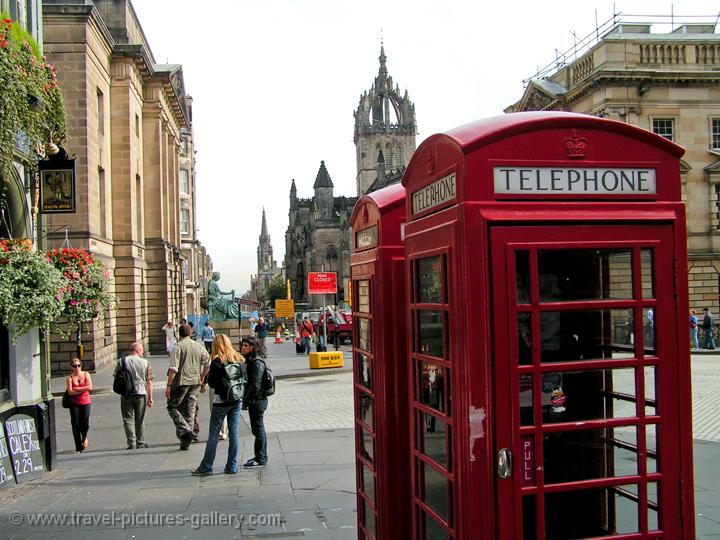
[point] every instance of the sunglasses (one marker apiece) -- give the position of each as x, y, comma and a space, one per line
74, 365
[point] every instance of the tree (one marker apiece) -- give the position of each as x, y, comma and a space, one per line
276, 289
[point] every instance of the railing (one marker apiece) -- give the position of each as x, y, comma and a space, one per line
662, 53
709, 54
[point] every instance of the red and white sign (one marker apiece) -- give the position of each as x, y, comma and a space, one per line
322, 282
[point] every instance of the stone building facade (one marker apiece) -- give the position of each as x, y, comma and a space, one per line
128, 118
318, 235
666, 82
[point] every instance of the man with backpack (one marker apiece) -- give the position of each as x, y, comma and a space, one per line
255, 400
134, 370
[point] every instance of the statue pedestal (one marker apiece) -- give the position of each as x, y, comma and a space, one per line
231, 329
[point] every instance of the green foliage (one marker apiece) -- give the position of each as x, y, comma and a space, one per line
276, 289
30, 289
25, 73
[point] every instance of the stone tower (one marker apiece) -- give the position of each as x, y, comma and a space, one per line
385, 129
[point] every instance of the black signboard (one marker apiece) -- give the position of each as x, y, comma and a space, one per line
24, 446
6, 470
57, 186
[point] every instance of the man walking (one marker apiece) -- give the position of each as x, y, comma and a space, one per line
261, 331
208, 335
187, 361
708, 328
133, 407
306, 333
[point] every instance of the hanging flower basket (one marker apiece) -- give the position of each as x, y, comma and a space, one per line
86, 290
30, 289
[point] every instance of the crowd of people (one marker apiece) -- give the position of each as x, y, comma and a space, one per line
234, 380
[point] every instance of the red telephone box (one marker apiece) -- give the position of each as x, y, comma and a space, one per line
547, 336
380, 366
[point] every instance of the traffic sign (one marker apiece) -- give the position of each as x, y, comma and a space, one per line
322, 282
284, 308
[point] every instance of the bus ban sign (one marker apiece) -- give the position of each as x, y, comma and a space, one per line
322, 282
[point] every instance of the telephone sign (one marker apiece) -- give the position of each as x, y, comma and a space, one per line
322, 282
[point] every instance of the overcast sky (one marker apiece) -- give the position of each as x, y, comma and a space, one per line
275, 84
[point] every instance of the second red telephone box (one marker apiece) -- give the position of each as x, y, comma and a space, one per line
380, 365
547, 336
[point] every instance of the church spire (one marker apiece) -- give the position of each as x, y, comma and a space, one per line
383, 58
323, 177
263, 230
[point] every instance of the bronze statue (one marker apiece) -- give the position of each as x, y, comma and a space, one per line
221, 305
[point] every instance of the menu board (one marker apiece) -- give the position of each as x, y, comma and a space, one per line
24, 446
6, 471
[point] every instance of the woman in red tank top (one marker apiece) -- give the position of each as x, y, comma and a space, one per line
79, 385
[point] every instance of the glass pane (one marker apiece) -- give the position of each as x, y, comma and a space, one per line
590, 512
433, 530
649, 329
432, 385
368, 482
577, 396
364, 340
365, 409
584, 274
653, 499
432, 440
429, 275
369, 516
435, 490
367, 445
529, 511
522, 277
572, 456
364, 366
430, 333
526, 399
647, 272
650, 399
363, 295
524, 331
652, 449
586, 335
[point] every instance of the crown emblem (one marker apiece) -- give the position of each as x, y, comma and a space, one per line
365, 216
430, 162
575, 146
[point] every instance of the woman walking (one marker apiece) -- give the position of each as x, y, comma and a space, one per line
255, 401
226, 376
78, 386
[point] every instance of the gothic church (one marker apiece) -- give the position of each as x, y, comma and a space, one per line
318, 235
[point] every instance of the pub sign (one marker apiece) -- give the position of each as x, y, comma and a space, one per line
57, 186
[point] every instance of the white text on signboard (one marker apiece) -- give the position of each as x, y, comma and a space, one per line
434, 194
581, 181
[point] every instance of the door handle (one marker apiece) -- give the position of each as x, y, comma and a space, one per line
504, 463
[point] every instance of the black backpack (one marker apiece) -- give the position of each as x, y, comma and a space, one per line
233, 382
123, 383
267, 382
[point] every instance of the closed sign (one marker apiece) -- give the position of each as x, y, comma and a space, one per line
322, 282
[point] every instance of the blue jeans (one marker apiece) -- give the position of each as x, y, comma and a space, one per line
232, 411
257, 425
694, 337
306, 344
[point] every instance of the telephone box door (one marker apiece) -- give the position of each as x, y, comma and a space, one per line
585, 368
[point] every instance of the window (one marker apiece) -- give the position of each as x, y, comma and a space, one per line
183, 146
184, 181
715, 133
100, 112
665, 127
138, 208
101, 197
185, 221
137, 126
717, 204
